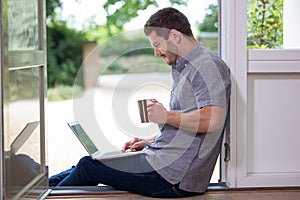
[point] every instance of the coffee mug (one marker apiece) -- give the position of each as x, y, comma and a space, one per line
142, 105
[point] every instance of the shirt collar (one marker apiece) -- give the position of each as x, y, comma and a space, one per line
180, 64
182, 61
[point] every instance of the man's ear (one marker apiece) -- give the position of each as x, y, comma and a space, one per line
176, 36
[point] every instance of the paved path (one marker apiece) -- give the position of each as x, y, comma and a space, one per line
64, 150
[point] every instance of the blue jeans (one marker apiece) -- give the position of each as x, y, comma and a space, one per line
89, 172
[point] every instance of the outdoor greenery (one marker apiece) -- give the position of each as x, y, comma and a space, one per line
120, 12
265, 24
209, 29
210, 22
60, 92
119, 50
64, 44
131, 43
64, 48
64, 53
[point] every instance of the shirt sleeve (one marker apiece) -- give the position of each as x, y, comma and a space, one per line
209, 83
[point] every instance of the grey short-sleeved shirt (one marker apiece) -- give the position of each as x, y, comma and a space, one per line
200, 79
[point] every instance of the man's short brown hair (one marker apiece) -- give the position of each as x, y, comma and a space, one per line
166, 19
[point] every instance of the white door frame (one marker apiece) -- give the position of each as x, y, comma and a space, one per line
246, 64
234, 52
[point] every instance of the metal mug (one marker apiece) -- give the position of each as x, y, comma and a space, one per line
142, 105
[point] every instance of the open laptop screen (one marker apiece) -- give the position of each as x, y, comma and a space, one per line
83, 137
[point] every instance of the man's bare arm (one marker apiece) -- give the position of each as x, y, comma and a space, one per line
206, 119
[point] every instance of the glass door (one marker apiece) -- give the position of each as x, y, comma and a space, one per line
23, 73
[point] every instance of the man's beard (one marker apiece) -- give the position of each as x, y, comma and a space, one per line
171, 53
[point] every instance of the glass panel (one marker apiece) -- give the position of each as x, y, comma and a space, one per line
265, 24
25, 174
208, 28
22, 132
22, 26
273, 24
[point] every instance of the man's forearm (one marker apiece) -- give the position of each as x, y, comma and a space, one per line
207, 119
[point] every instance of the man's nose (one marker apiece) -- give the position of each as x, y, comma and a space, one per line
157, 52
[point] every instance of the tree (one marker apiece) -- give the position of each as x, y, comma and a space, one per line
210, 22
64, 53
265, 25
120, 12
64, 48
209, 28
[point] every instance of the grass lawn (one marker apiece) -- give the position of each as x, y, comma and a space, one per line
60, 93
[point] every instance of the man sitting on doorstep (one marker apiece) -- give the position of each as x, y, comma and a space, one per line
179, 162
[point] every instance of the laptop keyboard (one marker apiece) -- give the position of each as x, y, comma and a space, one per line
113, 153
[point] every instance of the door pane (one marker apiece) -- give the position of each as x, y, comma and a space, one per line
22, 73
22, 26
22, 141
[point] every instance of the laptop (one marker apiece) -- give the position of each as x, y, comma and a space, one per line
23, 136
92, 149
